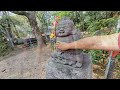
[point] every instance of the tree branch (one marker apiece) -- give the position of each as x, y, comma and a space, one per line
4, 29
25, 13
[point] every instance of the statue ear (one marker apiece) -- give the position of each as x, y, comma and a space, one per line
77, 32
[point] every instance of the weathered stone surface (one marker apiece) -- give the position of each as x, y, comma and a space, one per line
69, 64
57, 70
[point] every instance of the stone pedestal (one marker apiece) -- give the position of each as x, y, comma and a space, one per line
55, 70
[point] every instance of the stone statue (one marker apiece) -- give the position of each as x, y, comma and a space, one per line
69, 64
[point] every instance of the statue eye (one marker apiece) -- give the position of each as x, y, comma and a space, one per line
65, 27
58, 28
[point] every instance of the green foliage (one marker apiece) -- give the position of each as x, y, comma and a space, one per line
5, 21
94, 26
99, 24
22, 27
43, 20
91, 21
62, 14
98, 55
118, 57
3, 46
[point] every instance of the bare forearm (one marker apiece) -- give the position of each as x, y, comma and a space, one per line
108, 42
85, 43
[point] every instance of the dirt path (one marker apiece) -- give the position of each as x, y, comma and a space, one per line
29, 64
25, 65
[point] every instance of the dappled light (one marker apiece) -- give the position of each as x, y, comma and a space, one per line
40, 45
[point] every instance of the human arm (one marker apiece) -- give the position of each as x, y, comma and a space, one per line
107, 42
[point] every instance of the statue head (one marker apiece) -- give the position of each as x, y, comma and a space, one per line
64, 27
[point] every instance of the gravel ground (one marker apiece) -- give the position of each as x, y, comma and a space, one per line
29, 64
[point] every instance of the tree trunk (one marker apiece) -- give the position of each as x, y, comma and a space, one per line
8, 34
9, 37
33, 23
16, 31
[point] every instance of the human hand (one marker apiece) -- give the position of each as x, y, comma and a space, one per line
62, 45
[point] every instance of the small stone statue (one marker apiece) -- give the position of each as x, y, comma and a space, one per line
69, 64
66, 32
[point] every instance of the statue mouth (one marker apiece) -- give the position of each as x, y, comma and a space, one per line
62, 32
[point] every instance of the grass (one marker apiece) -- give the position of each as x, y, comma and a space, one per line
99, 70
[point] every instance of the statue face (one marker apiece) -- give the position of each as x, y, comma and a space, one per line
63, 29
